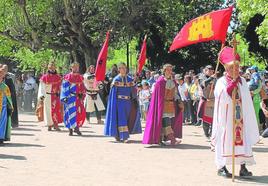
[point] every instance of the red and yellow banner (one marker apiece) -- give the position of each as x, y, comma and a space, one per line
210, 26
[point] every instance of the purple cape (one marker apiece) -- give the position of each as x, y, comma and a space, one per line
153, 127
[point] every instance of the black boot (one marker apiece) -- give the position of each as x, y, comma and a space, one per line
224, 172
49, 128
117, 139
244, 171
56, 127
77, 131
70, 132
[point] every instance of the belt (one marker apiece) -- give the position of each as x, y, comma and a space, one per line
123, 97
92, 94
169, 100
93, 91
52, 93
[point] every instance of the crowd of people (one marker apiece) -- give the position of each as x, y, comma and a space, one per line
164, 100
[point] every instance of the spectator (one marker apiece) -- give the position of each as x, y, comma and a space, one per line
145, 97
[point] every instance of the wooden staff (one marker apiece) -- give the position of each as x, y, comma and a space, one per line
217, 66
234, 42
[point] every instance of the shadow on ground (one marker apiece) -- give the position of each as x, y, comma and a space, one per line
27, 125
181, 146
21, 134
258, 149
128, 142
89, 135
22, 145
27, 121
12, 157
26, 129
254, 180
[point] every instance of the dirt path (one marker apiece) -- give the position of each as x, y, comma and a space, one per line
36, 157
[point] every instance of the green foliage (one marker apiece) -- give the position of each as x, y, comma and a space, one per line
247, 58
248, 8
7, 47
38, 60
120, 55
38, 31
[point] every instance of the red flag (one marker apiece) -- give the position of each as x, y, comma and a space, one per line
142, 57
102, 58
210, 26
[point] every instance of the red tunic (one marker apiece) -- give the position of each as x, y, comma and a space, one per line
55, 81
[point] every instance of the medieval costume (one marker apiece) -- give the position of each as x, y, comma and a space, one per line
29, 89
256, 97
206, 104
246, 128
49, 93
122, 117
93, 102
6, 109
72, 96
164, 119
8, 80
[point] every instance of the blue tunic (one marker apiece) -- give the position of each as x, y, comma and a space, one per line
119, 108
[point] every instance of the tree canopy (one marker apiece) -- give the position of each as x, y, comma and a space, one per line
35, 31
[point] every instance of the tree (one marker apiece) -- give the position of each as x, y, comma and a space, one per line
254, 28
78, 27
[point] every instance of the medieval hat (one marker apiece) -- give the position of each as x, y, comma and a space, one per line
227, 56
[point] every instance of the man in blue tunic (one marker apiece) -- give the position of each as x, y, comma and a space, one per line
122, 117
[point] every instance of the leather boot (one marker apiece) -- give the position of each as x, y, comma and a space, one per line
244, 171
70, 132
117, 139
77, 131
49, 128
100, 121
56, 127
224, 172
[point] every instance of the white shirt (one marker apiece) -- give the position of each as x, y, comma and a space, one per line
144, 94
182, 89
30, 84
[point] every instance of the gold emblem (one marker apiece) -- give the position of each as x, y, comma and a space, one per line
201, 28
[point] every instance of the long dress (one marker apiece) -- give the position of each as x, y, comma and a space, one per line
246, 130
49, 89
5, 112
122, 116
72, 96
14, 118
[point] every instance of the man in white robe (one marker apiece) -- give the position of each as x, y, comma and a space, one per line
246, 130
93, 102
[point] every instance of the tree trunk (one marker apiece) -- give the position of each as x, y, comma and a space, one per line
91, 55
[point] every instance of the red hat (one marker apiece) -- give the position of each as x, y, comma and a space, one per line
227, 56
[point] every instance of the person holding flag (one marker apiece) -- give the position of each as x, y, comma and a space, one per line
122, 116
241, 111
93, 102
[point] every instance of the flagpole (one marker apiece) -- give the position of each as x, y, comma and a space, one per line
218, 60
234, 42
217, 66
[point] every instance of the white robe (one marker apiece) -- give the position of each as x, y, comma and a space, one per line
222, 132
43, 89
89, 102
